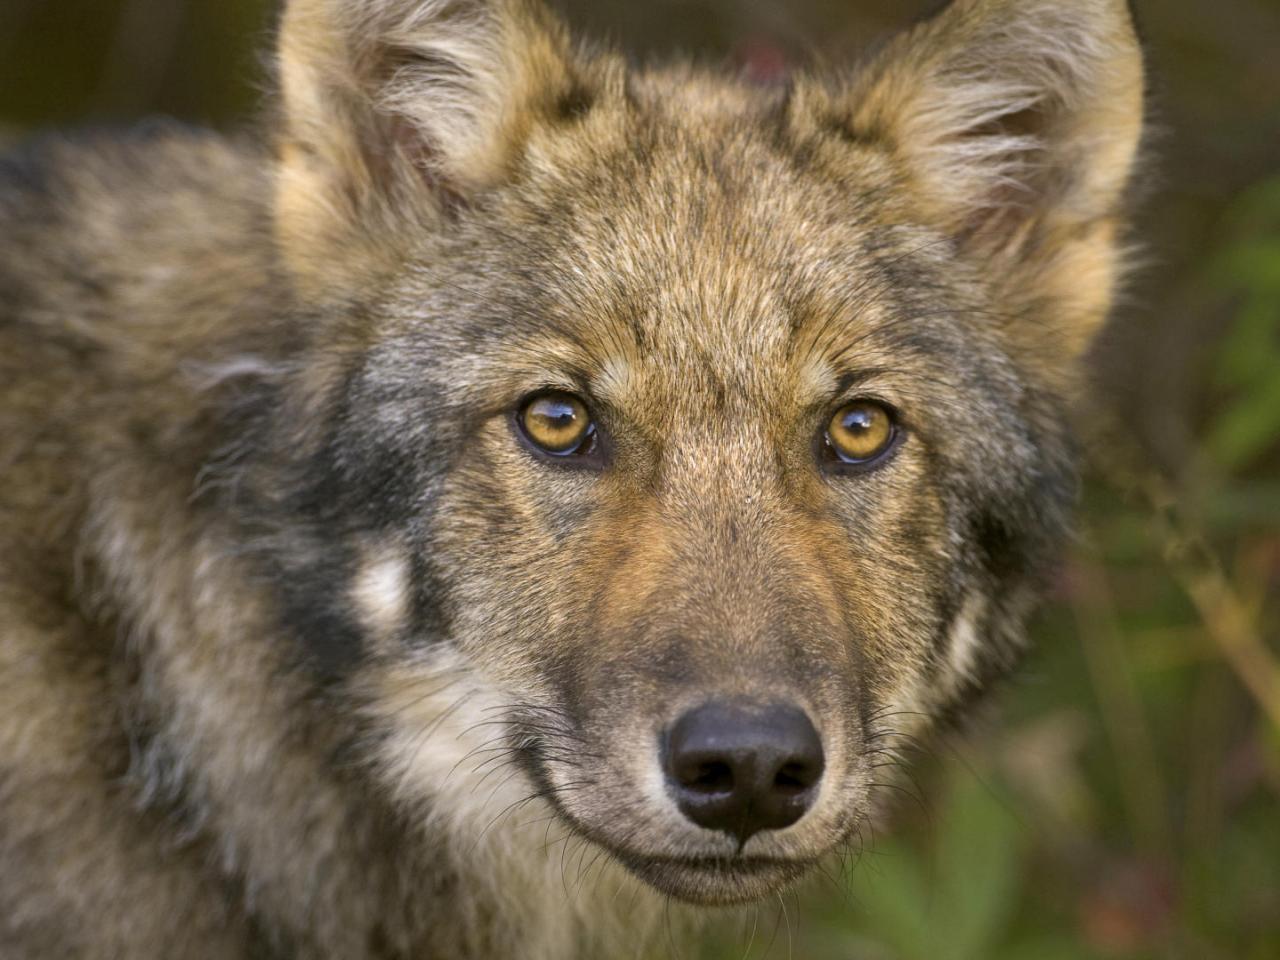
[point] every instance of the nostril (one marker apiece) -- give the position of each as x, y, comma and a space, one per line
794, 778
712, 777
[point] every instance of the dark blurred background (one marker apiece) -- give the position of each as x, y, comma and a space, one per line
1120, 800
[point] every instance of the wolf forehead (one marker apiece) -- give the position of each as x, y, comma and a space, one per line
529, 184
712, 246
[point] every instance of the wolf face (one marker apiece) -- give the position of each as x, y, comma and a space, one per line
716, 432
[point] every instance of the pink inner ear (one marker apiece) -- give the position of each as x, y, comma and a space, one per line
404, 146
1011, 199
764, 63
407, 145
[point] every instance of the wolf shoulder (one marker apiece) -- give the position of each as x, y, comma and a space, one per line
128, 225
125, 257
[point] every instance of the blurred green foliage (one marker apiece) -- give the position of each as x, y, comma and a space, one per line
1123, 801
1249, 358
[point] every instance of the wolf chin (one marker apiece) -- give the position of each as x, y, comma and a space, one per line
522, 499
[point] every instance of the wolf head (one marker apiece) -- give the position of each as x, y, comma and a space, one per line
713, 435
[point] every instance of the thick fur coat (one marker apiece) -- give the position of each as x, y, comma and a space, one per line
306, 650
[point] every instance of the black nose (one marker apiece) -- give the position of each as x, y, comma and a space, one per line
742, 768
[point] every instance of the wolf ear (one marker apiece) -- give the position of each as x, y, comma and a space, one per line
1018, 123
394, 110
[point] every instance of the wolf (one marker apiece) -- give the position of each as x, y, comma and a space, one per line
512, 491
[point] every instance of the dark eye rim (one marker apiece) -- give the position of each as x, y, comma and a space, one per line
587, 455
833, 462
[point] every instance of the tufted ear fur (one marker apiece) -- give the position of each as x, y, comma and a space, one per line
396, 109
1017, 123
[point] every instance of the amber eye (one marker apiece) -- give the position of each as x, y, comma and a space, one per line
860, 432
558, 424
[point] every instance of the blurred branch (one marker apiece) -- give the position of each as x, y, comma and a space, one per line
1198, 571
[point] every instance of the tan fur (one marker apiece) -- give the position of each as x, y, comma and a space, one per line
305, 652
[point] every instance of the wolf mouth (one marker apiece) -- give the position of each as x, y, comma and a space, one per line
708, 879
727, 865
717, 881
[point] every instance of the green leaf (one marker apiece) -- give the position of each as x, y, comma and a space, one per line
1248, 428
1251, 349
1048, 948
978, 864
889, 896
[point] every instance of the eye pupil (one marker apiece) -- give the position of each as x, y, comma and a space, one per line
859, 420
554, 415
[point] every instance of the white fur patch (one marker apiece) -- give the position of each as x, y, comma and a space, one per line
207, 376
381, 590
965, 640
614, 377
446, 755
457, 91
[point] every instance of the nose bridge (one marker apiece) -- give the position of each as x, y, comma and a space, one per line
720, 497
745, 597
716, 583
721, 492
